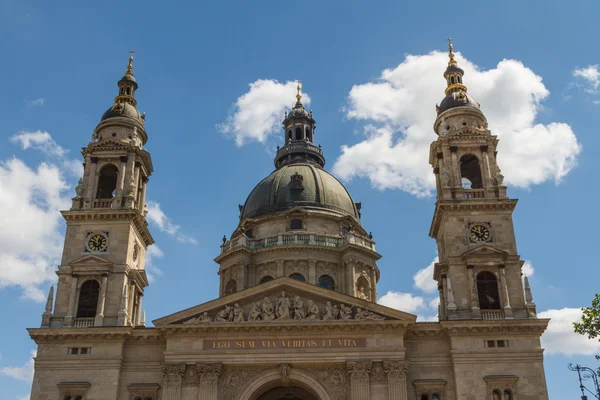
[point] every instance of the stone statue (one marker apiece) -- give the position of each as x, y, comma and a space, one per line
268, 313
345, 312
313, 311
238, 313
499, 176
255, 313
299, 311
372, 316
361, 293
225, 315
360, 314
336, 312
79, 188
445, 178
94, 137
328, 312
205, 317
283, 307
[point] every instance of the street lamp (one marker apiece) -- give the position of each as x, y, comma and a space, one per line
585, 373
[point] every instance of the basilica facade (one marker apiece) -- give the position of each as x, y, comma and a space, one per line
297, 314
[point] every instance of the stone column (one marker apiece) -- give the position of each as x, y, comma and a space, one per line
136, 181
71, 311
451, 307
142, 199
359, 379
121, 177
101, 301
485, 171
312, 271
396, 372
455, 167
373, 284
442, 308
504, 288
173, 375
91, 178
350, 273
128, 185
209, 381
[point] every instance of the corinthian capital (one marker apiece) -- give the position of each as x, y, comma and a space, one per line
396, 369
359, 371
173, 374
209, 373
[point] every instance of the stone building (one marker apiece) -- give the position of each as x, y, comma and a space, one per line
297, 314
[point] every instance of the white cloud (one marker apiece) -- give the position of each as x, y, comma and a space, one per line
591, 76
30, 238
39, 140
560, 338
24, 397
22, 373
37, 102
258, 113
399, 113
402, 301
433, 304
157, 217
527, 268
424, 278
152, 253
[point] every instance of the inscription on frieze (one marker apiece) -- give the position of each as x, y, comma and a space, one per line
272, 344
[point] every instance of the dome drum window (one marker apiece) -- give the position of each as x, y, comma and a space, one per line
326, 282
298, 277
296, 224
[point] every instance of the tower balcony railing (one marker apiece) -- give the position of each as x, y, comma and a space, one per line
492, 314
102, 203
298, 239
474, 193
83, 322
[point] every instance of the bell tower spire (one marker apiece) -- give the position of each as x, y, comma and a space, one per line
102, 273
479, 273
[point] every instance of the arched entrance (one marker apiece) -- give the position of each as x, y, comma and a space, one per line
287, 393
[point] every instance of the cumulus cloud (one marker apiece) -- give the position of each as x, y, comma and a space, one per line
157, 217
23, 373
590, 76
39, 140
402, 301
37, 102
258, 113
30, 238
398, 112
424, 278
527, 268
152, 254
560, 338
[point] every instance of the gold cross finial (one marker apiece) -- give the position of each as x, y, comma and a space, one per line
130, 66
298, 88
450, 53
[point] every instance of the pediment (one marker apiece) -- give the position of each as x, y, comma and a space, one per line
90, 259
484, 251
284, 300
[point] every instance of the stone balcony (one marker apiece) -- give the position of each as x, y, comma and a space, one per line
83, 322
289, 239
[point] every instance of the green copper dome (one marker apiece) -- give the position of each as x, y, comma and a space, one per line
299, 185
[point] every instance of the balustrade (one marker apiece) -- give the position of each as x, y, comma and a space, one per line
298, 239
474, 193
83, 322
492, 314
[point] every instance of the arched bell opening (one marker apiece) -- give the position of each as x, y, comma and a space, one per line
107, 182
301, 384
470, 172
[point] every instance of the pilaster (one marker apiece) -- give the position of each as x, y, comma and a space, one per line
208, 375
396, 373
359, 379
173, 376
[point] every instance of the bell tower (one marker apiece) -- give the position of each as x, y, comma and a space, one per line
101, 278
479, 272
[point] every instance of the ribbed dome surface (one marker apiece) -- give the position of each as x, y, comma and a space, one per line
320, 190
122, 110
453, 100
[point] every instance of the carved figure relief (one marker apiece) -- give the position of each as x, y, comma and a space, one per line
285, 310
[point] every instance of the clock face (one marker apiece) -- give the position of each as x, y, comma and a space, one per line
97, 242
479, 233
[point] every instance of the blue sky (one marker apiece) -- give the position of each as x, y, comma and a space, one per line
214, 81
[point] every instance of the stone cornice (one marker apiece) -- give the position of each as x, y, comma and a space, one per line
104, 215
287, 329
469, 205
426, 331
115, 334
527, 327
111, 145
